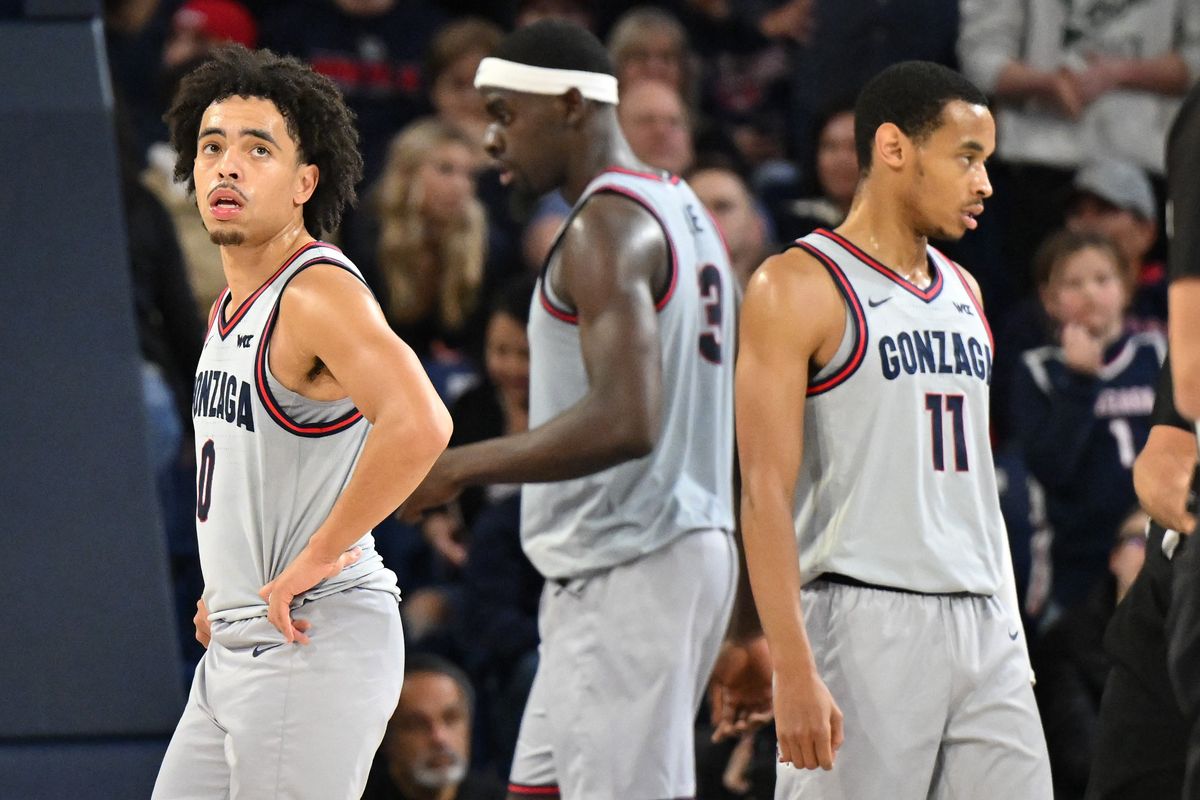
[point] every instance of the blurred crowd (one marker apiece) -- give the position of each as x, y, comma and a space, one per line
753, 103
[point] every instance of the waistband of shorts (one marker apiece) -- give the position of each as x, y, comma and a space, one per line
846, 580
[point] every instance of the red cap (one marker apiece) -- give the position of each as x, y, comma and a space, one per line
222, 20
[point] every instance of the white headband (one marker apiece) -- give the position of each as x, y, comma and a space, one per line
518, 77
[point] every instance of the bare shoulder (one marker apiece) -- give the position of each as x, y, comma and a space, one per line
622, 235
612, 222
325, 290
793, 280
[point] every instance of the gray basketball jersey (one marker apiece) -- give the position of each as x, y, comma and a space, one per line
896, 485
270, 463
684, 485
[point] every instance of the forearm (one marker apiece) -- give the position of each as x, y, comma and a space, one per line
585, 439
396, 456
1184, 330
774, 569
1019, 81
1166, 74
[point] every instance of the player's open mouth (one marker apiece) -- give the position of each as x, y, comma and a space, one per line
225, 204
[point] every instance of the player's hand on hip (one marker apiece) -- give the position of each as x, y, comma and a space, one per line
438, 489
203, 627
305, 572
808, 722
740, 689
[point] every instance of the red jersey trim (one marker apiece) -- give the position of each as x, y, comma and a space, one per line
935, 287
225, 328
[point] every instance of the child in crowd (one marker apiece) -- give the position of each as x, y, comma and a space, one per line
1081, 408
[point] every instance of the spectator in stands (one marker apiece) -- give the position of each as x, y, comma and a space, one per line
426, 750
649, 43
1072, 666
728, 199
454, 56
1115, 198
655, 121
1081, 408
426, 262
833, 178
1074, 81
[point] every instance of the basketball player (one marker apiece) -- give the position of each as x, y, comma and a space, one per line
313, 422
628, 460
862, 416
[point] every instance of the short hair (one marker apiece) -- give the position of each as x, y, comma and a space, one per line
910, 95
1059, 246
428, 663
556, 44
460, 38
312, 108
633, 23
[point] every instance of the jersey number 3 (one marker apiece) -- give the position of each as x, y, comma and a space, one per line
711, 294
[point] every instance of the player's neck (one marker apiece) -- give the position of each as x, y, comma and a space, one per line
603, 147
248, 266
877, 224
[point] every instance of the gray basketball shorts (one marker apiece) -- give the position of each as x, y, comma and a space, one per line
266, 719
935, 695
624, 660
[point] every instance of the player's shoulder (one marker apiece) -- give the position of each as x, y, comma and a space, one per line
794, 270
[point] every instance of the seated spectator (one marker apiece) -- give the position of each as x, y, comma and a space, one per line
426, 751
649, 44
1072, 666
655, 121
834, 177
728, 199
1115, 198
1081, 408
426, 261
454, 56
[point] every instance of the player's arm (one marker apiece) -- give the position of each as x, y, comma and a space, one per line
609, 261
791, 311
1163, 471
332, 316
1183, 318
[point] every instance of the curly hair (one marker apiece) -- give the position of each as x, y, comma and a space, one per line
312, 108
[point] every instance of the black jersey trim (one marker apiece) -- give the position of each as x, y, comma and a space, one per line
859, 320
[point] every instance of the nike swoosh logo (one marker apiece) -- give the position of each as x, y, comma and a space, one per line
878, 303
1013, 635
262, 648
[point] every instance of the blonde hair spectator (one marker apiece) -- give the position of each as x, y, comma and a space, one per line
433, 229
